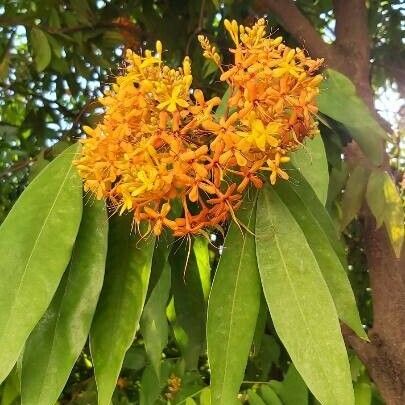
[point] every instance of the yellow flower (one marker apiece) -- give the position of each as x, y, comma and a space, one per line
173, 101
260, 135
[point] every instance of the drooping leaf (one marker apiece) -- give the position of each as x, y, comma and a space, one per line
233, 309
154, 327
205, 396
121, 302
354, 194
268, 356
149, 387
59, 337
11, 389
202, 257
394, 216
222, 108
254, 399
260, 327
41, 49
160, 258
315, 223
311, 161
269, 396
293, 390
300, 304
135, 358
375, 196
362, 393
41, 228
191, 386
189, 301
338, 100
387, 207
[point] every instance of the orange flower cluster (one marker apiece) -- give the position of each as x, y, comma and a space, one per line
160, 141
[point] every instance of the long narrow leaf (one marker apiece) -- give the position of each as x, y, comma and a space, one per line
233, 309
310, 219
121, 302
57, 340
300, 304
36, 241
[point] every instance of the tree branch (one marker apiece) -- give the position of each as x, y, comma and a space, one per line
297, 25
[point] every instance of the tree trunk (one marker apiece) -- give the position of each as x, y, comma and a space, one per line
386, 363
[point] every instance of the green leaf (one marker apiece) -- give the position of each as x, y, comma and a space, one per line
41, 49
135, 358
311, 161
254, 399
160, 258
293, 390
222, 108
191, 386
374, 197
202, 257
205, 396
57, 340
233, 309
387, 207
121, 302
362, 393
154, 327
354, 194
315, 224
268, 356
260, 327
149, 387
312, 203
4, 66
11, 389
338, 100
394, 215
269, 396
40, 228
189, 301
299, 301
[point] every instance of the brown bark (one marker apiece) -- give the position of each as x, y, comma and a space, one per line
352, 45
384, 356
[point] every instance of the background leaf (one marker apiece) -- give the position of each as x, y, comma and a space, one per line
299, 301
154, 327
234, 301
121, 302
189, 301
293, 389
269, 396
338, 100
41, 228
41, 49
375, 198
354, 194
56, 342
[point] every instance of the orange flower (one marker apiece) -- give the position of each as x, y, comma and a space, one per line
159, 140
